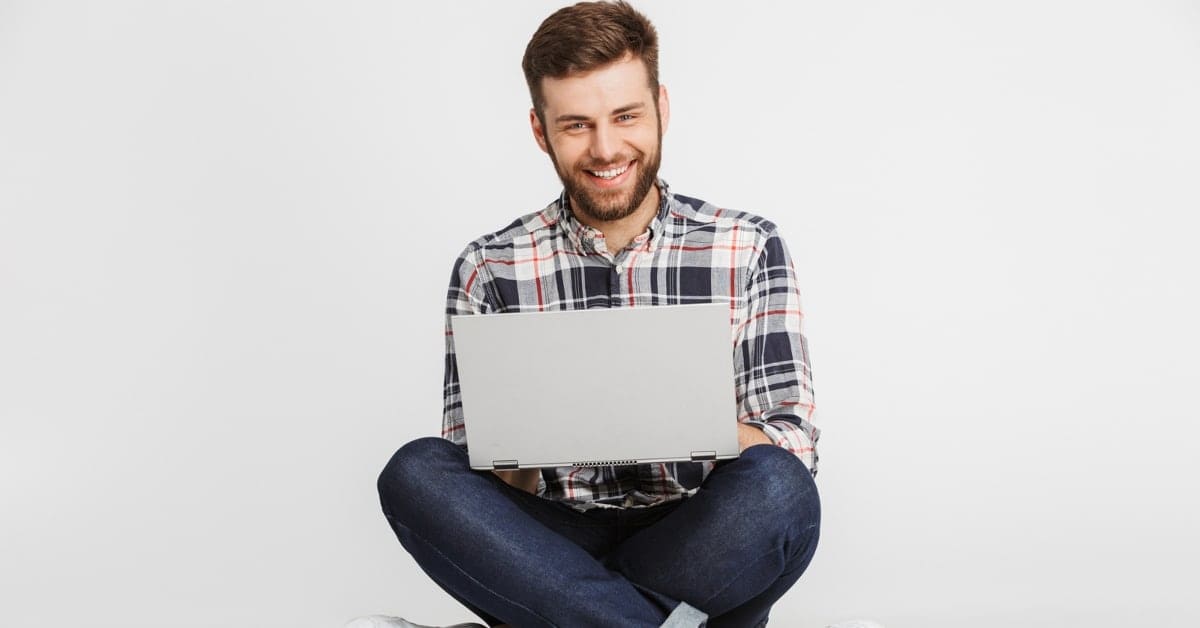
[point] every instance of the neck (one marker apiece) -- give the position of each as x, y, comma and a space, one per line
619, 233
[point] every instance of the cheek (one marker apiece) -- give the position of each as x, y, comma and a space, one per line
646, 139
647, 146
568, 151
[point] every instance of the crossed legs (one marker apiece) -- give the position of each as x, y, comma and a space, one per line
731, 550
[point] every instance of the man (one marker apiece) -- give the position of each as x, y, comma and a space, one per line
646, 545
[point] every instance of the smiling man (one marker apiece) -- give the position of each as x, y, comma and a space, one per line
603, 131
682, 544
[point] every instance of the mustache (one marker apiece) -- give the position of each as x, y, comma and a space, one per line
619, 161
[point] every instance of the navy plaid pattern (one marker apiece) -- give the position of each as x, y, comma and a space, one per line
692, 252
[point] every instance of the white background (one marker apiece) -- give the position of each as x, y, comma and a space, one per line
226, 229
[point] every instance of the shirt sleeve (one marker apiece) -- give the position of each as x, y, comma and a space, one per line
466, 295
774, 381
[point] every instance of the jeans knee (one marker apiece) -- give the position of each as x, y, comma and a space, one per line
786, 485
410, 471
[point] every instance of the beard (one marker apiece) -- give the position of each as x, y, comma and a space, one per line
610, 205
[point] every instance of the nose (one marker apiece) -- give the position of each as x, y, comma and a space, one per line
605, 143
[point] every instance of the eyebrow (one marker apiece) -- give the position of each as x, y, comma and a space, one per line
572, 117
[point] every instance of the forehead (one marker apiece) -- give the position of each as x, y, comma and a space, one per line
598, 91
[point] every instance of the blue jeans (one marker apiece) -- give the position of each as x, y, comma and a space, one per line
731, 550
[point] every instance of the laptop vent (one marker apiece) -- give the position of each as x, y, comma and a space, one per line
601, 463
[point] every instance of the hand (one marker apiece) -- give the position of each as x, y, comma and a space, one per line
748, 436
523, 479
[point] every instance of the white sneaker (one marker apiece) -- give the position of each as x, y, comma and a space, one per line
383, 621
856, 623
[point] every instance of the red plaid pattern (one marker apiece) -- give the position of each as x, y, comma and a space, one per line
692, 252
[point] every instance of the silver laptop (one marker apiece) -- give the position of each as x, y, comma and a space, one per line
597, 387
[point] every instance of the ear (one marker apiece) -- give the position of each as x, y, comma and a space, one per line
539, 133
664, 107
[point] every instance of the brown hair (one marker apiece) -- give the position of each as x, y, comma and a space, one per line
586, 36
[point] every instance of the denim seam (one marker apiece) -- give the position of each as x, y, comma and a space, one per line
735, 577
747, 567
469, 576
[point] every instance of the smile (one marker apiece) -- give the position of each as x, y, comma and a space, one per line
611, 173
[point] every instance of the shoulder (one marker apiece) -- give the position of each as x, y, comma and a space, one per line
687, 213
517, 231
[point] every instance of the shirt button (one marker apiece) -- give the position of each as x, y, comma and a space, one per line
620, 268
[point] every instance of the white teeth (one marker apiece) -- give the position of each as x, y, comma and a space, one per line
609, 174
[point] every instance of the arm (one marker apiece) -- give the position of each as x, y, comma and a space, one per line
774, 382
467, 295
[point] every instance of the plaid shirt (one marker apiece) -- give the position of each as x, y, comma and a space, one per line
692, 252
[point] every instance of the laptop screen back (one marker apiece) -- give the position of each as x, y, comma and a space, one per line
597, 387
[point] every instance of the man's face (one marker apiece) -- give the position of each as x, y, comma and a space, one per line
603, 131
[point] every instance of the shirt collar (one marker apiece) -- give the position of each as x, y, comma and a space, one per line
585, 238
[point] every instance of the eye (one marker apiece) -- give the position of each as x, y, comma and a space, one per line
626, 117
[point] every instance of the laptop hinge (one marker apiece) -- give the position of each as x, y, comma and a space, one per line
697, 456
501, 465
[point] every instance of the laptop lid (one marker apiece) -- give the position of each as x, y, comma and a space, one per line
597, 387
